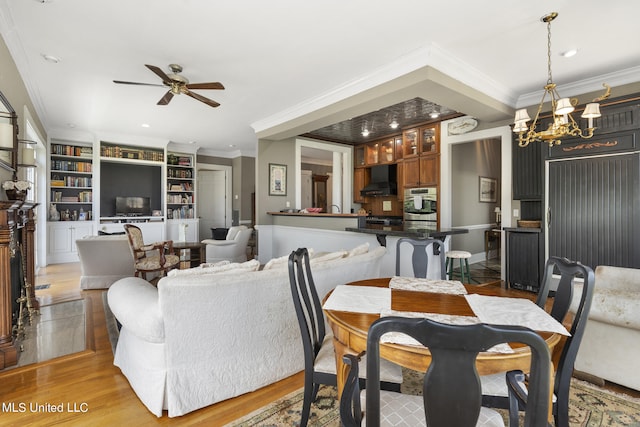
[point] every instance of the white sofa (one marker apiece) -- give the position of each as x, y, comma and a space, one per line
233, 248
198, 339
611, 341
104, 260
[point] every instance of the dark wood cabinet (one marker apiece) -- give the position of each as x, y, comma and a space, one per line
525, 258
361, 177
528, 170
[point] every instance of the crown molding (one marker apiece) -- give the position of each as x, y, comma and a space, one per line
592, 84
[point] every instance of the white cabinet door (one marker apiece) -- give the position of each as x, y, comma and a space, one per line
151, 231
62, 238
183, 230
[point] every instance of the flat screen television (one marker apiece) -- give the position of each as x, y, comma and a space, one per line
133, 206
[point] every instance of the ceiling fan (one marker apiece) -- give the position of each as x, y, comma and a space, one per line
177, 84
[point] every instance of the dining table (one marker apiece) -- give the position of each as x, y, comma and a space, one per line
351, 317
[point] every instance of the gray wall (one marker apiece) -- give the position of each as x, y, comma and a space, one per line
282, 153
471, 161
13, 88
244, 183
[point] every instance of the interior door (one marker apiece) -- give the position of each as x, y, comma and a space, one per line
212, 197
593, 212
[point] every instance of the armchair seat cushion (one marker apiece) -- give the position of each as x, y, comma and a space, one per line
153, 262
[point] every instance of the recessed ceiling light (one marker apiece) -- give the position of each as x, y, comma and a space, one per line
569, 53
71, 125
51, 58
192, 142
145, 125
232, 145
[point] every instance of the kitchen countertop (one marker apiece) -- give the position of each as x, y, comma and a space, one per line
320, 215
381, 231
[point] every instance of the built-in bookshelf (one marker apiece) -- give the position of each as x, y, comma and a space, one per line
180, 197
71, 181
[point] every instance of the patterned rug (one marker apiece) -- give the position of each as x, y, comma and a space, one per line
590, 406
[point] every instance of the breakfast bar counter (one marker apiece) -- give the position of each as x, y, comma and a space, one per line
382, 231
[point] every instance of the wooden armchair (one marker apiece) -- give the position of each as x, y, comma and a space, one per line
150, 258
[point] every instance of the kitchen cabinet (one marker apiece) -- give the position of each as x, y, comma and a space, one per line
410, 143
528, 170
361, 178
62, 236
420, 171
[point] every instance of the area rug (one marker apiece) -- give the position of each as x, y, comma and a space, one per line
112, 324
590, 406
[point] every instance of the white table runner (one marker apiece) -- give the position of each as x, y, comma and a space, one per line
453, 287
359, 299
513, 311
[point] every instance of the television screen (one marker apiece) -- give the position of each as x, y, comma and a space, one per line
133, 206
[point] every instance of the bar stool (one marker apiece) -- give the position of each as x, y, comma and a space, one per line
464, 266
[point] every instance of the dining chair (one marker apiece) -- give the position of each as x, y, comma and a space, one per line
452, 393
495, 388
155, 257
319, 356
420, 255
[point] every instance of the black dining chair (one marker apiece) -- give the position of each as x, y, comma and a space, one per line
495, 390
319, 356
452, 394
420, 255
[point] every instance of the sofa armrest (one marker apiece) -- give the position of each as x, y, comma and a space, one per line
134, 302
618, 278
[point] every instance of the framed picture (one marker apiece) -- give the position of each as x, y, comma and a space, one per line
277, 180
82, 216
488, 189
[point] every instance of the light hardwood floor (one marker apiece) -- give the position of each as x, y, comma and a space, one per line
88, 383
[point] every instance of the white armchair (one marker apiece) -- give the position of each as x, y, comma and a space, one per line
233, 248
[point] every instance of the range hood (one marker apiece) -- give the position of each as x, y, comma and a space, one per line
383, 181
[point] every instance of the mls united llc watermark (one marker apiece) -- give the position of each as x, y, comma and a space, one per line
36, 407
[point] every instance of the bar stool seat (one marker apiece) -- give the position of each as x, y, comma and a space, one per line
463, 256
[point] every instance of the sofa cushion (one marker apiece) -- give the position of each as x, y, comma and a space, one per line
134, 302
330, 256
617, 307
359, 250
218, 267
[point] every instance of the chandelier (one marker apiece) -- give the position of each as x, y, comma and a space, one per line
563, 124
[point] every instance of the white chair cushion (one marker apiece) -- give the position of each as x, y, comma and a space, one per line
496, 385
397, 409
326, 362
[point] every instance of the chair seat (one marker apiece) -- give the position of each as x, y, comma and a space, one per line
152, 263
326, 362
458, 254
496, 385
397, 409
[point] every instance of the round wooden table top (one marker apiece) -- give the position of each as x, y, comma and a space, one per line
350, 329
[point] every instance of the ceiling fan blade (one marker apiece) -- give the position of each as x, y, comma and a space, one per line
165, 79
166, 98
201, 98
136, 83
211, 85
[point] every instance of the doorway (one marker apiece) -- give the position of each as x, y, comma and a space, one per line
214, 203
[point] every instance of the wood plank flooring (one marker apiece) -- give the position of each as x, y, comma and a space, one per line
91, 390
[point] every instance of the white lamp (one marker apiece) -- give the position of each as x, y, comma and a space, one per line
591, 111
6, 135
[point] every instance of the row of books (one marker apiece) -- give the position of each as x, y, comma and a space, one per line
82, 197
71, 150
70, 166
129, 153
70, 181
185, 186
179, 198
184, 212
